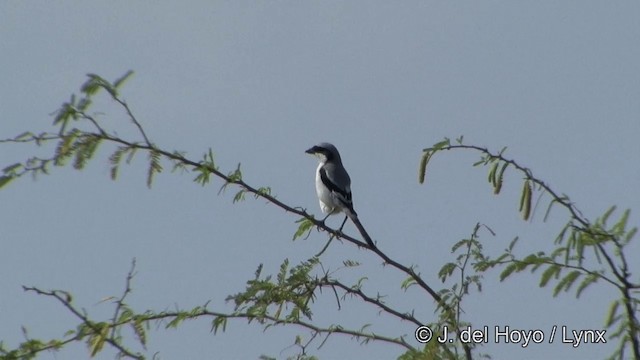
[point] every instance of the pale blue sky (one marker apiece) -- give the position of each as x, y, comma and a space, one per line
558, 83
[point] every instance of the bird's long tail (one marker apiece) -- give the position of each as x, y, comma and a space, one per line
354, 218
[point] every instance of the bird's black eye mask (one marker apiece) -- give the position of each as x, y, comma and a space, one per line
320, 150
315, 149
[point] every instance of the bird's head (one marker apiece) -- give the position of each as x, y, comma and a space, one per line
325, 152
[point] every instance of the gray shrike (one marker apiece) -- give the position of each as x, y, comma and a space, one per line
333, 186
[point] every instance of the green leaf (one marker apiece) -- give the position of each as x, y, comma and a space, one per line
588, 280
211, 158
458, 244
553, 270
479, 162
85, 149
360, 282
4, 180
95, 83
439, 145
176, 321
613, 310
283, 271
619, 228
580, 250
264, 191
92, 85
154, 166
531, 259
132, 152
239, 196
566, 282
422, 169
350, 263
98, 339
115, 158
522, 196
446, 271
304, 227
630, 235
560, 238
63, 115
492, 173
258, 271
525, 200
236, 175
499, 179
508, 271
66, 148
407, 283
607, 214
84, 104
119, 81
138, 329
546, 214
204, 175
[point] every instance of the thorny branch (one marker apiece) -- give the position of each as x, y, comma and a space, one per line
64, 298
203, 312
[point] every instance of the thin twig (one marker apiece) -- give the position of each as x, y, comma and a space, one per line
127, 290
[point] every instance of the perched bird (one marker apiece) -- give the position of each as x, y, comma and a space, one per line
333, 186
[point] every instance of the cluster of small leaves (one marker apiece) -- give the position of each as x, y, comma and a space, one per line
566, 264
497, 167
467, 267
34, 165
154, 166
29, 349
426, 156
79, 135
76, 109
96, 334
565, 275
116, 158
621, 323
472, 254
566, 267
204, 173
291, 292
74, 143
305, 227
83, 148
579, 245
179, 316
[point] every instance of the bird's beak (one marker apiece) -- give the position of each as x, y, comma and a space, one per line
311, 150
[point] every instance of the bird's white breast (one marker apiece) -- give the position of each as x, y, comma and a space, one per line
327, 202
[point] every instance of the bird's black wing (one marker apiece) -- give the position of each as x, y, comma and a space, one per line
345, 196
